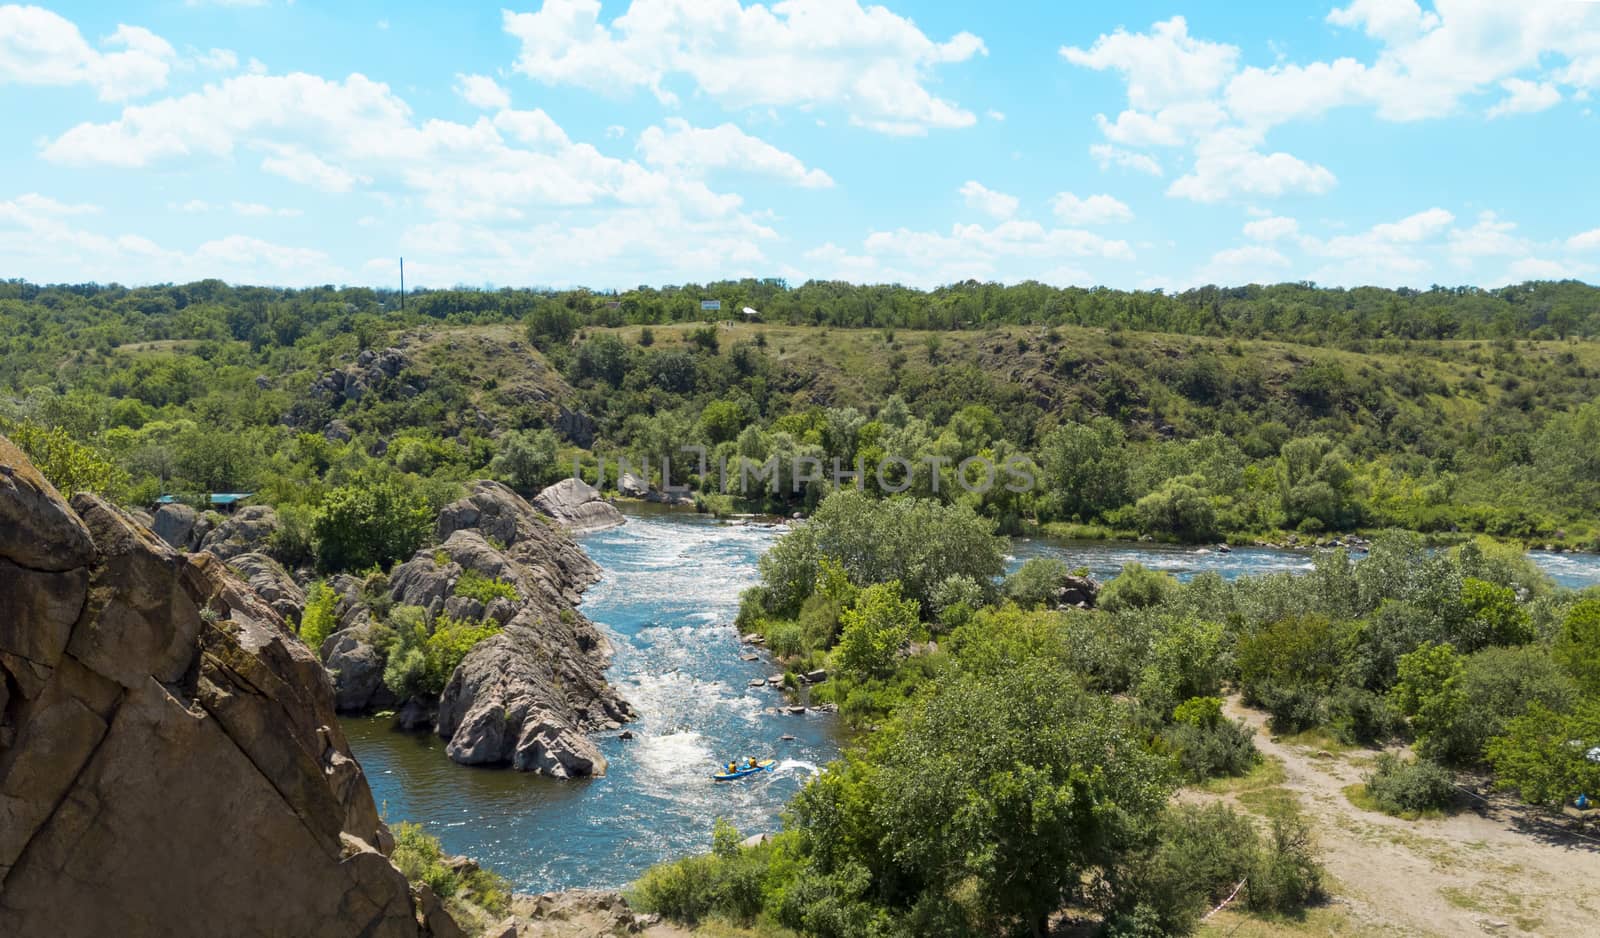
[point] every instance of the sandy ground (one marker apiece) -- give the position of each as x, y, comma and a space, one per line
1495, 867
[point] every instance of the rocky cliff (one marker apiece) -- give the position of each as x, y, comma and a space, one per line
170, 763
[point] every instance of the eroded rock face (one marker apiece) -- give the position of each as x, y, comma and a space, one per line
577, 506
245, 531
272, 583
527, 696
169, 758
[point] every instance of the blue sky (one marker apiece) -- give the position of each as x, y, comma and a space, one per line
573, 142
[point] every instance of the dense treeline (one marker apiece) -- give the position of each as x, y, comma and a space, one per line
95, 317
207, 387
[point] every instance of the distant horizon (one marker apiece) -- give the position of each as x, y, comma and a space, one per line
787, 285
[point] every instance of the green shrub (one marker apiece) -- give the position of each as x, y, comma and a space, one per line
317, 622
1206, 744
449, 643
1287, 876
1136, 587
1035, 582
1201, 855
784, 638
420, 857
474, 585
1358, 717
1410, 787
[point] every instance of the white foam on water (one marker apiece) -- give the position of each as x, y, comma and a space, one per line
675, 755
795, 765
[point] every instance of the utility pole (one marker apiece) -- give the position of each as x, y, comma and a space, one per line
402, 284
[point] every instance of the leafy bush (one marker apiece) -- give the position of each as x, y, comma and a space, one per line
71, 467
370, 522
1206, 744
1410, 787
317, 622
474, 585
449, 643
420, 857
1035, 582
874, 631
1287, 876
1359, 717
1201, 855
727, 882
1136, 587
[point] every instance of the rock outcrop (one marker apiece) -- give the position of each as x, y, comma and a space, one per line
527, 696
169, 758
272, 583
577, 506
245, 531
177, 524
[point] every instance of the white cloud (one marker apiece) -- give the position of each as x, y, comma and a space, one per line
1163, 67
1272, 228
481, 91
696, 151
1227, 165
308, 169
1251, 263
1489, 237
257, 210
1587, 241
983, 199
995, 115
218, 60
38, 47
43, 236
1526, 97
1009, 251
1185, 91
1093, 210
1535, 268
867, 61
1108, 156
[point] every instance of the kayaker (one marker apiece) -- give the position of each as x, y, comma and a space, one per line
733, 767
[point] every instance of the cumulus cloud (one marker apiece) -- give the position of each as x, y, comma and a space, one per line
1272, 228
38, 47
481, 91
48, 239
1587, 241
1009, 250
1092, 210
1108, 156
866, 61
983, 199
1526, 97
696, 151
1186, 91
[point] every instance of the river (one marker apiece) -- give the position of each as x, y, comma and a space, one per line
668, 596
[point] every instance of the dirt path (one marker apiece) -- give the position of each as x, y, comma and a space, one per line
1494, 869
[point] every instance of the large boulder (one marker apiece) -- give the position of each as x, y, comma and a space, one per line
577, 506
355, 665
632, 485
246, 530
175, 524
170, 762
272, 583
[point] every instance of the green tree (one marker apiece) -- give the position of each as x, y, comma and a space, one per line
1550, 757
1085, 468
1429, 692
874, 631
1577, 648
526, 460
371, 521
69, 465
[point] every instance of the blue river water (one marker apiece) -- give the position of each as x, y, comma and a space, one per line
667, 601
